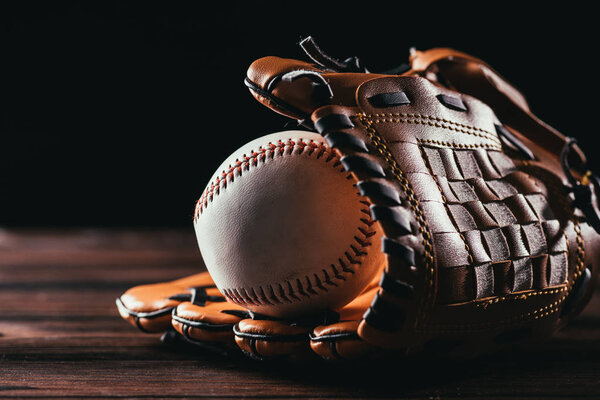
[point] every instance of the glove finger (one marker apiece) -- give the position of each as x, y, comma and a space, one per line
340, 340
287, 86
149, 307
268, 339
210, 323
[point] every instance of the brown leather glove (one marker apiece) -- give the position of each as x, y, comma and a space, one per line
489, 215
192, 308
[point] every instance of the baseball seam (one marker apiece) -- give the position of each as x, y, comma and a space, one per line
262, 155
298, 289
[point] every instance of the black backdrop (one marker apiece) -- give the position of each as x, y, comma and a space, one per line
116, 114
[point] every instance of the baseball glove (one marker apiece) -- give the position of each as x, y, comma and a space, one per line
490, 218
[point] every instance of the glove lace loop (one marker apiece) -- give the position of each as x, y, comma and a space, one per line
315, 53
582, 190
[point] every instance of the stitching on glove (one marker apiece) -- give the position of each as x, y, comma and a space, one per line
436, 122
535, 314
461, 145
307, 286
580, 255
541, 312
434, 118
519, 296
429, 286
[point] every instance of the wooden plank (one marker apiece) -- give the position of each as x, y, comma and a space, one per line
61, 336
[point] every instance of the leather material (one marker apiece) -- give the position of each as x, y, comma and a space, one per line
149, 307
424, 63
498, 244
279, 207
484, 248
467, 74
299, 94
222, 326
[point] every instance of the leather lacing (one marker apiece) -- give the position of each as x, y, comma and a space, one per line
582, 190
428, 298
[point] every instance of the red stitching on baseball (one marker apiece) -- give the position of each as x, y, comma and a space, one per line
252, 161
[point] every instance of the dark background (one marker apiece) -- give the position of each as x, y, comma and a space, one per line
118, 114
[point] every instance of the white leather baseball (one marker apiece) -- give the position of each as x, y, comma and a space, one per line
283, 229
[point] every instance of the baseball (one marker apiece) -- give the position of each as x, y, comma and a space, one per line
283, 229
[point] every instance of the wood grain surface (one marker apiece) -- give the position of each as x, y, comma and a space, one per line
61, 337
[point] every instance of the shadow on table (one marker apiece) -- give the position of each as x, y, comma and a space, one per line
532, 370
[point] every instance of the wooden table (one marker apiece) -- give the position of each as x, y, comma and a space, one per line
61, 336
